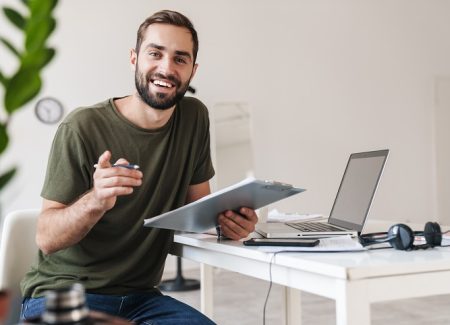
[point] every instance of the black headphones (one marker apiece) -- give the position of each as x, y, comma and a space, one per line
401, 237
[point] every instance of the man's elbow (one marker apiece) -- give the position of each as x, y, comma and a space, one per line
44, 245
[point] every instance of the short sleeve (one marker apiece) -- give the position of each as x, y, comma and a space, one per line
204, 169
69, 172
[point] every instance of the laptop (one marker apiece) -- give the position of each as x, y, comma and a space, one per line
351, 205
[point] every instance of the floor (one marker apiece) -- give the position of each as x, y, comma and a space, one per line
239, 299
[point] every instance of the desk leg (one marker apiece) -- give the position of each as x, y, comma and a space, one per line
352, 305
292, 306
206, 290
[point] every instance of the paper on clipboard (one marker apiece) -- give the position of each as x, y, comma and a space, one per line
201, 215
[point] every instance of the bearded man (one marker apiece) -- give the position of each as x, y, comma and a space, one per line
90, 229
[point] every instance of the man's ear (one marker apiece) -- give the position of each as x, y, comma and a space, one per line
194, 70
133, 59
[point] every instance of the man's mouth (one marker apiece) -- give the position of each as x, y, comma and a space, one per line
162, 83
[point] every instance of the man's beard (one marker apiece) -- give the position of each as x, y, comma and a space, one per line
158, 100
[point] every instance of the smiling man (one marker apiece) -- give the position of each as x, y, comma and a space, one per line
170, 89
90, 229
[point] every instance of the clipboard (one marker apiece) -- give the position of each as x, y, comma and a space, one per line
201, 215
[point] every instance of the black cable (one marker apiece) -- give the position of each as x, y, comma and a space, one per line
376, 248
289, 251
300, 251
270, 279
270, 287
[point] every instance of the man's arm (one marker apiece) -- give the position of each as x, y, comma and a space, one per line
198, 191
60, 226
233, 225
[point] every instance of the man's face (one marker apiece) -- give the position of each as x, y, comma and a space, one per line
164, 65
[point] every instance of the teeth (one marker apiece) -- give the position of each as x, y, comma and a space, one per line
162, 83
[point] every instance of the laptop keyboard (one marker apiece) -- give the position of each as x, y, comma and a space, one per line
313, 226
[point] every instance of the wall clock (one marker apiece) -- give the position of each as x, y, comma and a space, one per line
49, 110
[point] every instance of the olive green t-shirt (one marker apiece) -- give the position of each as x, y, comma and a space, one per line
119, 255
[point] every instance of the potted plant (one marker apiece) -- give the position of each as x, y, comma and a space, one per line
36, 24
24, 84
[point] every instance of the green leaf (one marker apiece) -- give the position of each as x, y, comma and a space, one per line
26, 2
37, 32
38, 59
15, 17
41, 7
23, 87
11, 47
6, 177
4, 139
3, 80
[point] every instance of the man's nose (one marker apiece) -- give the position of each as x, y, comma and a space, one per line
166, 66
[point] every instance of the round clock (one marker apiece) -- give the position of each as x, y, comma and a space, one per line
49, 110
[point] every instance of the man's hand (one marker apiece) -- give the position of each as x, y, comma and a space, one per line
110, 182
61, 226
238, 225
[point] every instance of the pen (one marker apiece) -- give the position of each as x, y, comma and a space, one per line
128, 166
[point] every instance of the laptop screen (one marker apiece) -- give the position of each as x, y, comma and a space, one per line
357, 189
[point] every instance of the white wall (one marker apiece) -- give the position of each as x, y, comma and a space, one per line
441, 141
324, 79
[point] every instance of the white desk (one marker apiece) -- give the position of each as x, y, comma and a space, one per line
354, 280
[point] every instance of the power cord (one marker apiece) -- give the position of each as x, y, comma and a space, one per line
271, 282
289, 251
270, 288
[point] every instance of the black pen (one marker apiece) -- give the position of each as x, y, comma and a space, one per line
128, 166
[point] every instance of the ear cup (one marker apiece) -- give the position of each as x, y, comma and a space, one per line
433, 234
402, 237
374, 238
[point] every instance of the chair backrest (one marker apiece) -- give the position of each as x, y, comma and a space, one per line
18, 250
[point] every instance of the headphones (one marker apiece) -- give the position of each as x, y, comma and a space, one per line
401, 237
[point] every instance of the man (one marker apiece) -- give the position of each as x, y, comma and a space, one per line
91, 229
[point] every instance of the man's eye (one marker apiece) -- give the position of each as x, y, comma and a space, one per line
155, 54
180, 60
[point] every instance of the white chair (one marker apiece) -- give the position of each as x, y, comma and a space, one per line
18, 250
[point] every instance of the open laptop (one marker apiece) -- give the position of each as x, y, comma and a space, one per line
351, 206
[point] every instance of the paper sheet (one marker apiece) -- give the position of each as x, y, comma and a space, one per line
277, 216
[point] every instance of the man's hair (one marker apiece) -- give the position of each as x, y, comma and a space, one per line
171, 18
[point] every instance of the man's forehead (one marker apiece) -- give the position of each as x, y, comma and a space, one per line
172, 37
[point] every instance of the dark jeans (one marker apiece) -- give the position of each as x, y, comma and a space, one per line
149, 308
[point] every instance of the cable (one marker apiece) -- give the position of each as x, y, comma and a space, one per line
289, 251
270, 280
300, 251
270, 287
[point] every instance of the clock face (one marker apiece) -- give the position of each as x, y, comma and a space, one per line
49, 110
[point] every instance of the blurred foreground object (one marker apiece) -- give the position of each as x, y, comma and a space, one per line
4, 305
68, 306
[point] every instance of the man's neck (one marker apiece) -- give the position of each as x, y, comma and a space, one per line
142, 115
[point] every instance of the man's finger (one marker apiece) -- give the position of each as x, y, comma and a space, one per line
240, 220
103, 160
235, 225
118, 181
121, 161
107, 193
230, 233
250, 214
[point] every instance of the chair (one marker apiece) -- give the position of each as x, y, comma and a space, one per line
18, 250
